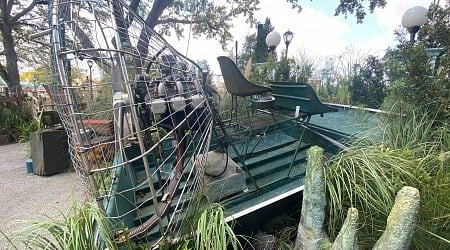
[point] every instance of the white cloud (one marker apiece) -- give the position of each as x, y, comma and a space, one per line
391, 16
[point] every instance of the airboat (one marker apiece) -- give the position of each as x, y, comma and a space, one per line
146, 134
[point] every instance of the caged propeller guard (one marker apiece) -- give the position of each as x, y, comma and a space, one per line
143, 105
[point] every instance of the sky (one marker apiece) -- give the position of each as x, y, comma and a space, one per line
316, 30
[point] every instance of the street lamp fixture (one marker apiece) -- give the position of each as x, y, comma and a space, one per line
413, 18
272, 41
287, 37
90, 63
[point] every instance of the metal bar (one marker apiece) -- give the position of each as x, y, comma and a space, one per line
40, 34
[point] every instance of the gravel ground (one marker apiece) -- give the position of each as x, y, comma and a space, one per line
26, 196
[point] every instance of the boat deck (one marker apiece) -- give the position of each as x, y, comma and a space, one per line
272, 155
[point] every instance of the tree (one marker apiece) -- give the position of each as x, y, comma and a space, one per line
261, 51
205, 18
367, 85
418, 77
10, 20
255, 45
306, 65
343, 64
357, 8
18, 19
247, 51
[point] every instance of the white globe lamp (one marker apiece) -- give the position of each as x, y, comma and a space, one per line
272, 40
413, 18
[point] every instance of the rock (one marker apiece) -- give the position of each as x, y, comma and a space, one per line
347, 238
401, 221
310, 234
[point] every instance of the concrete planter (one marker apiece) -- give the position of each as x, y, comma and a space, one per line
49, 151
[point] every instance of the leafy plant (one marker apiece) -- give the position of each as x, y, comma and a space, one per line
338, 93
16, 122
25, 130
367, 84
418, 72
76, 231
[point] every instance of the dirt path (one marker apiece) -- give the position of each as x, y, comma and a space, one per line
27, 196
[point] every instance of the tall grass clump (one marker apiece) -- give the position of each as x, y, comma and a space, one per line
408, 152
213, 232
86, 228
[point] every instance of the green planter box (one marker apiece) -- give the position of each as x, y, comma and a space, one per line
49, 151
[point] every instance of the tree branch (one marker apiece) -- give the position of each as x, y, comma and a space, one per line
25, 11
157, 9
185, 21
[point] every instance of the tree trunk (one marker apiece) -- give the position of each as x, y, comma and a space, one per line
11, 73
157, 9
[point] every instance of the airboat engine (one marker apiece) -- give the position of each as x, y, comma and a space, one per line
166, 96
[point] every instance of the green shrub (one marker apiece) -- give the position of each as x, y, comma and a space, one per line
368, 176
16, 122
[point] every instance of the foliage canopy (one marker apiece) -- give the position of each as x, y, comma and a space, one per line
210, 19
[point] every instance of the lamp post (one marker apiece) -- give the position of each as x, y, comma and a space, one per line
287, 37
90, 63
272, 41
413, 18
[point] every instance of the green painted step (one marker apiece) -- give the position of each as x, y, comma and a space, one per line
298, 172
273, 155
145, 212
275, 166
262, 144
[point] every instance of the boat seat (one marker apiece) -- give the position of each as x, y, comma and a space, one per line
235, 82
238, 86
293, 95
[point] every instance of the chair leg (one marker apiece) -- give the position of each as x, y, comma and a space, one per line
234, 105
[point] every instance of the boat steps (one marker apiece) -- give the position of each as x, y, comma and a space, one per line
268, 162
261, 145
145, 212
143, 186
272, 155
273, 167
